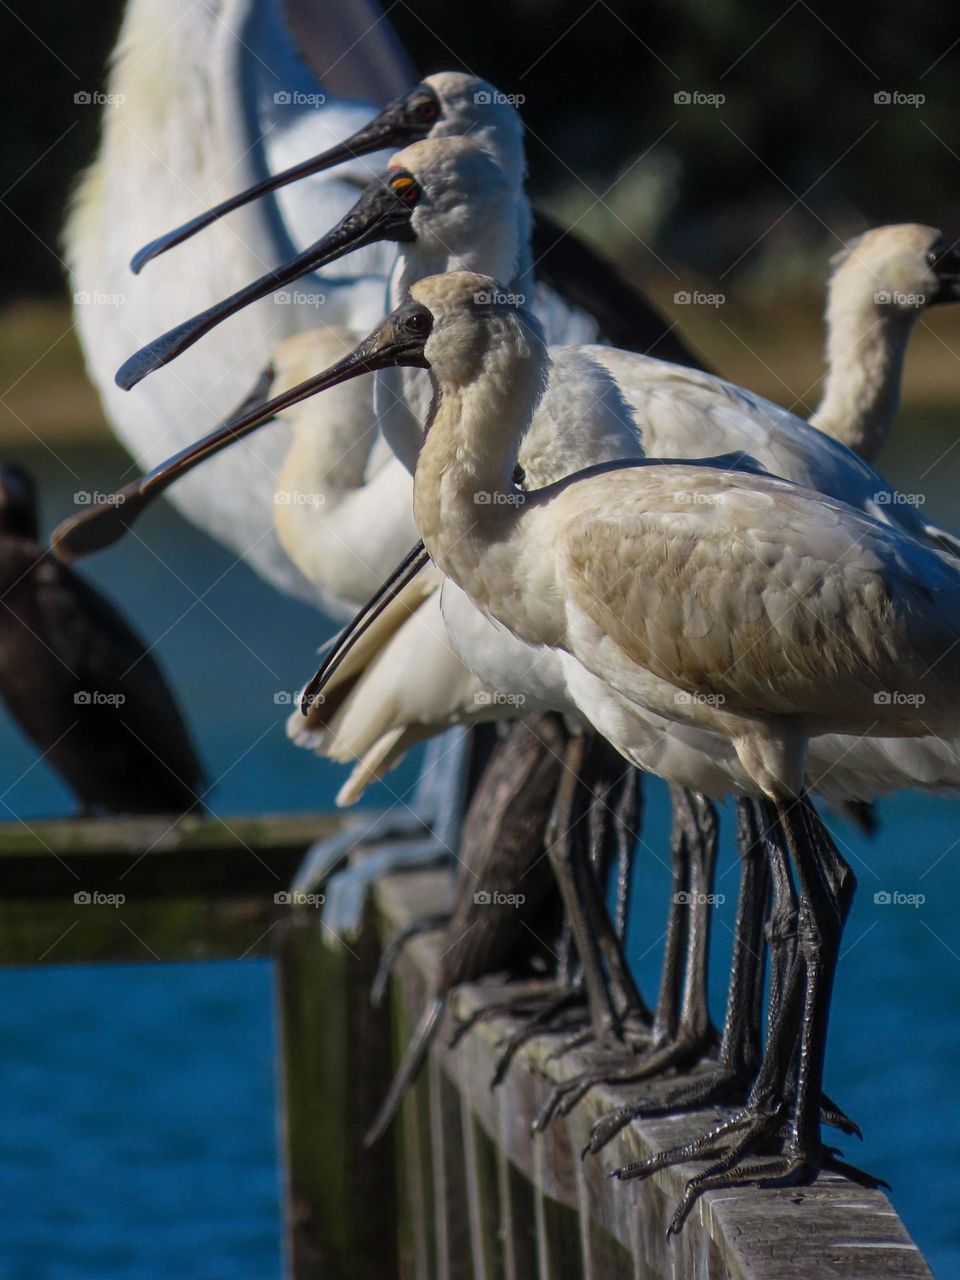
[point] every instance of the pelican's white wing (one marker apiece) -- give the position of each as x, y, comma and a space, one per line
198, 113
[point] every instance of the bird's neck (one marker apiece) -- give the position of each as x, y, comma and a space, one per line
466, 506
865, 353
329, 457
337, 515
403, 397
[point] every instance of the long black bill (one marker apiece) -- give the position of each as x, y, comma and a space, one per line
405, 572
403, 121
382, 213
395, 342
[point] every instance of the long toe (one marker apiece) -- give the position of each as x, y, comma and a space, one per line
783, 1171
749, 1127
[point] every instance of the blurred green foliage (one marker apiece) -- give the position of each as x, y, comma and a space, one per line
798, 153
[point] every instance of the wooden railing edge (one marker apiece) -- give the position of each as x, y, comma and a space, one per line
833, 1228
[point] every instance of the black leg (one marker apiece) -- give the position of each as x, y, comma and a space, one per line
788, 1086
628, 821
564, 861
740, 1053
742, 1044
391, 953
611, 779
827, 886
695, 1030
695, 849
665, 1018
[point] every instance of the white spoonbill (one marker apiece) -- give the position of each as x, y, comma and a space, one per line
587, 297
448, 203
782, 613
438, 230
881, 283
877, 288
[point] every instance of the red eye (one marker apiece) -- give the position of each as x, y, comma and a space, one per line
427, 110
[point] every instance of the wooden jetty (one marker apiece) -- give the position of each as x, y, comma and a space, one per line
461, 1191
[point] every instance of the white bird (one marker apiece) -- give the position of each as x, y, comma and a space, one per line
684, 414
371, 507
233, 101
782, 615
572, 435
894, 264
880, 285
461, 215
208, 98
451, 207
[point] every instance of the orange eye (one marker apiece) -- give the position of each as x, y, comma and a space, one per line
405, 187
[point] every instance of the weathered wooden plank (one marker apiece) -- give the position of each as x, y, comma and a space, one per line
335, 1066
173, 930
592, 1226
147, 889
454, 1260
201, 856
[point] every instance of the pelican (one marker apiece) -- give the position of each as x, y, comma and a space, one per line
211, 97
781, 613
80, 683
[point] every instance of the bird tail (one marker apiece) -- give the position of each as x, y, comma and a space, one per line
409, 1068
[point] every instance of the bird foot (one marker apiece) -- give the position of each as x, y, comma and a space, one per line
394, 949
559, 1015
794, 1168
754, 1126
359, 832
759, 1128
677, 1054
719, 1087
525, 1001
611, 1054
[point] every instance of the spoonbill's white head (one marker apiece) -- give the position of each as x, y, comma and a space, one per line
881, 283
900, 270
462, 211
469, 106
475, 335
478, 330
448, 104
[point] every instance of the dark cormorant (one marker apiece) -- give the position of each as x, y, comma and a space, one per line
80, 683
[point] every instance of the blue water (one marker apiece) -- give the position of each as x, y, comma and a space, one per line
138, 1108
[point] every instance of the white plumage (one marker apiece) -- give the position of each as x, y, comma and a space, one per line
198, 119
